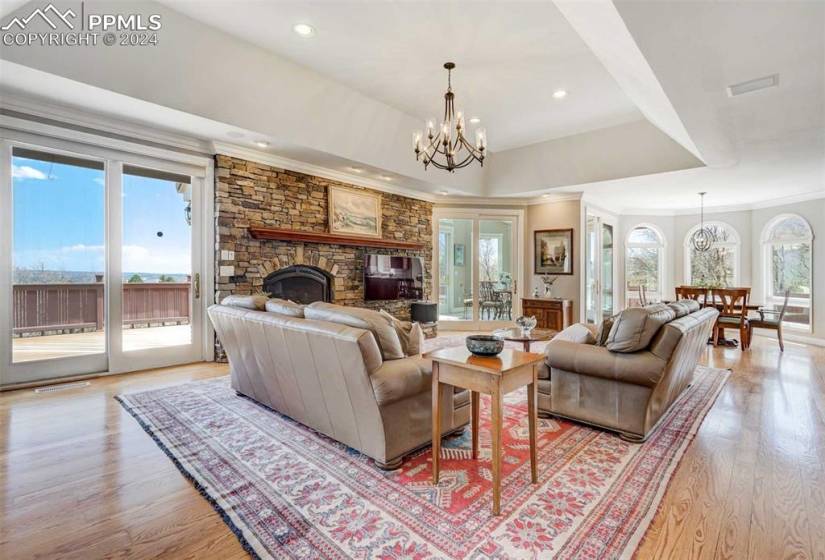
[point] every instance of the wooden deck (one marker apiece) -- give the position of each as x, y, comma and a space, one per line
80, 479
80, 344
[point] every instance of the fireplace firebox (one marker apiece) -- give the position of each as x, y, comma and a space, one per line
301, 284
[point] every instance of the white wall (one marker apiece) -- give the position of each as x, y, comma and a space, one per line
749, 225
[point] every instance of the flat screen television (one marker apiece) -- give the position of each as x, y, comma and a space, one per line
389, 277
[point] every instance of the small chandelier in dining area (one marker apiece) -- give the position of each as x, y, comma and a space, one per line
703, 238
447, 148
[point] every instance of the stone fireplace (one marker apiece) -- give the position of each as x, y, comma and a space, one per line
300, 283
254, 194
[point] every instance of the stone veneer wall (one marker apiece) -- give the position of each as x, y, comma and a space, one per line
249, 193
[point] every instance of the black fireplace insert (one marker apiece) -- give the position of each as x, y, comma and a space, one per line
300, 283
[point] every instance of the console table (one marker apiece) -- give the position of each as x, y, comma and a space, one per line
551, 313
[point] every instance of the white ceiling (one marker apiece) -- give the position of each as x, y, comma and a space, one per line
763, 146
510, 56
351, 94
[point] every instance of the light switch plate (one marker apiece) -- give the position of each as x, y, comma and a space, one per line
227, 271
227, 255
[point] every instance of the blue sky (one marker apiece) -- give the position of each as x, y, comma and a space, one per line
59, 220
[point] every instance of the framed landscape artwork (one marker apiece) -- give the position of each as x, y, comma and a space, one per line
553, 250
354, 212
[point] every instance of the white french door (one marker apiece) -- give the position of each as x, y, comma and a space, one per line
599, 266
478, 268
102, 260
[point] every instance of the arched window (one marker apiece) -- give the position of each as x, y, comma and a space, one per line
644, 265
787, 242
718, 267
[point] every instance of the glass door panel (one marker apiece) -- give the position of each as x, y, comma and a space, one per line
607, 270
455, 269
58, 256
157, 297
496, 270
591, 286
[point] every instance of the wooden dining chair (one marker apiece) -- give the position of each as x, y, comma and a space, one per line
696, 293
772, 320
640, 300
733, 313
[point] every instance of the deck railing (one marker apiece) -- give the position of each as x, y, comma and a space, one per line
46, 308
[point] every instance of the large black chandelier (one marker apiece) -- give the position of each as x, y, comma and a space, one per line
447, 148
703, 238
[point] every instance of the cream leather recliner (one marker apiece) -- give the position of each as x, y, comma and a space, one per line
333, 378
628, 382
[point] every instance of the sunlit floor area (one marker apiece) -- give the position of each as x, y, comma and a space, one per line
82, 344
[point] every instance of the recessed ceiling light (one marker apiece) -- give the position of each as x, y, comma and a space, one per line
261, 143
546, 195
386, 177
443, 193
356, 169
303, 29
559, 94
475, 120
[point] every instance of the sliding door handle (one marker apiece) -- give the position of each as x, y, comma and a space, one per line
197, 285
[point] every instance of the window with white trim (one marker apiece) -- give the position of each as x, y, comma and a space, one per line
787, 243
644, 265
718, 267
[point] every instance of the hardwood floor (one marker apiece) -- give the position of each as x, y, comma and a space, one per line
80, 479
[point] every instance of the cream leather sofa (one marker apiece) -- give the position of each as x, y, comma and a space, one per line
333, 378
630, 380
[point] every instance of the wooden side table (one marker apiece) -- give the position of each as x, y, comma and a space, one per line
495, 376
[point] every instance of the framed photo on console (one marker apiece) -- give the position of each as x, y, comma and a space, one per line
354, 212
553, 251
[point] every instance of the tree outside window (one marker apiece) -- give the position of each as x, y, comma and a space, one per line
787, 242
643, 265
489, 252
716, 267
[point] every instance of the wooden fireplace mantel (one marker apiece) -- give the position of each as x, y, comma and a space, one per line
334, 238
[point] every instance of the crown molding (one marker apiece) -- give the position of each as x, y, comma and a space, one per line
84, 121
771, 203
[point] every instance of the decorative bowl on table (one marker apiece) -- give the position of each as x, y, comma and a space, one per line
484, 344
526, 324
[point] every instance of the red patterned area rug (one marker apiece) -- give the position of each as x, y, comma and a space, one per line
288, 492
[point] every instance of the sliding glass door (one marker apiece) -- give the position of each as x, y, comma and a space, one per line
599, 267
478, 268
103, 271
58, 264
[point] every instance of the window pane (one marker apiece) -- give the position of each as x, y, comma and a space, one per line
644, 235
713, 268
791, 270
58, 253
157, 262
792, 228
495, 269
455, 270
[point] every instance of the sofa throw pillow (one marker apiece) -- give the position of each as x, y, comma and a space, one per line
635, 327
410, 334
577, 333
373, 321
604, 330
255, 302
285, 307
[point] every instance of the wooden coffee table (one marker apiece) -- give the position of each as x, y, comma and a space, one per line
495, 376
517, 335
